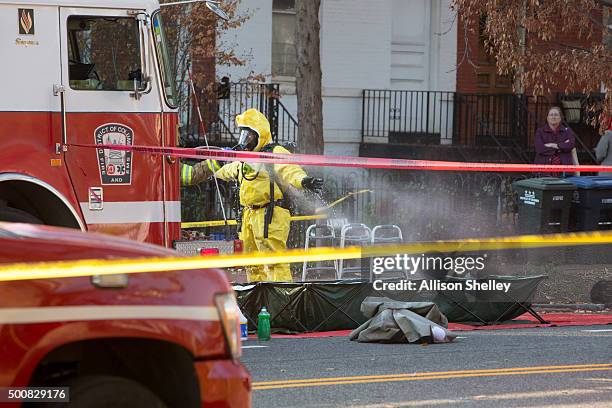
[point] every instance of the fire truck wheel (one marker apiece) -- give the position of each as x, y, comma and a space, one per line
11, 214
107, 391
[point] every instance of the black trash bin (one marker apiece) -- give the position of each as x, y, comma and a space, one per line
544, 204
592, 203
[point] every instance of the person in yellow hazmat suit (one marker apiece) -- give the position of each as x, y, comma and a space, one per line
265, 216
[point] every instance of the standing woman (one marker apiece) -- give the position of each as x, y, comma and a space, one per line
554, 142
603, 151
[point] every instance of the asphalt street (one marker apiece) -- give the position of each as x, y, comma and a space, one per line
546, 367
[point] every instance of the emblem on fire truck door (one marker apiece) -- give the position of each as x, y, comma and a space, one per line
115, 165
26, 21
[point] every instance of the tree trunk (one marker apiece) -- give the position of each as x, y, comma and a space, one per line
308, 77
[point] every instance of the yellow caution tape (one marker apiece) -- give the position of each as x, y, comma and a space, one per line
67, 269
91, 267
220, 223
203, 224
492, 244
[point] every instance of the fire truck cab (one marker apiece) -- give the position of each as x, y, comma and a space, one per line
75, 74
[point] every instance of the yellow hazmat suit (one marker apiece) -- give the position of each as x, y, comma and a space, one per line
254, 182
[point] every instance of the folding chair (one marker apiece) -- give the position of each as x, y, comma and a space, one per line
336, 224
353, 235
387, 234
322, 235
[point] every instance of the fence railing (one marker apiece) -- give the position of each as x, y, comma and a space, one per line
488, 120
435, 117
231, 99
286, 125
421, 116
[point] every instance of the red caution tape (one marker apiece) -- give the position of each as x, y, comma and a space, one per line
345, 161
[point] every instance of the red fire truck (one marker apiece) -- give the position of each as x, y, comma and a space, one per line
97, 72
82, 73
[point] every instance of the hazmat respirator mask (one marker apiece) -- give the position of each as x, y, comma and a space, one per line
248, 140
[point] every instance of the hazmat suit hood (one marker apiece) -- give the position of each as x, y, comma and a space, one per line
256, 120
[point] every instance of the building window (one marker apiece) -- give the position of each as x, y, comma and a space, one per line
283, 38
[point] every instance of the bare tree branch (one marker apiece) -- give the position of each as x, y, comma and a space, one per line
547, 61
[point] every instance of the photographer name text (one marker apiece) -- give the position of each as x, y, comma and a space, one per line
440, 285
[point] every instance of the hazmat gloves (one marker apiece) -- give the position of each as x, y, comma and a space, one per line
313, 184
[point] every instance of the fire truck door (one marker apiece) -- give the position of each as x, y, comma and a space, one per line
110, 97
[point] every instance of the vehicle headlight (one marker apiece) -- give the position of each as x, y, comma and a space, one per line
230, 321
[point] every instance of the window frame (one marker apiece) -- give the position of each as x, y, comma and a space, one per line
72, 44
279, 77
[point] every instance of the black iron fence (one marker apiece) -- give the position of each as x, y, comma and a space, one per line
420, 116
435, 117
489, 120
231, 99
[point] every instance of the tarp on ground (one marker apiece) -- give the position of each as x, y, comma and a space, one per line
335, 305
391, 321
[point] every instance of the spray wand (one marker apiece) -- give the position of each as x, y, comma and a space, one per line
341, 199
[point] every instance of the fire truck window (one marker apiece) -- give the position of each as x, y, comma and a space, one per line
164, 49
103, 53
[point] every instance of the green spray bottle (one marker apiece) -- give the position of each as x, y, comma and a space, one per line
263, 325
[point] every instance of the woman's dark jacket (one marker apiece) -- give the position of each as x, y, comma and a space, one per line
564, 138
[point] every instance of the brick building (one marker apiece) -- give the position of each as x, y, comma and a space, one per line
480, 76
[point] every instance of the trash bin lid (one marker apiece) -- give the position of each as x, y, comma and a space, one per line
592, 182
546, 183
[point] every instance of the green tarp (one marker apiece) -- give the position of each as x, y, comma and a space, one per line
335, 305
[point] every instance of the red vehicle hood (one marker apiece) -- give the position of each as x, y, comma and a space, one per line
36, 243
75, 309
